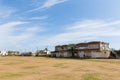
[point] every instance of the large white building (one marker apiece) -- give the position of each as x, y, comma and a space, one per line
94, 49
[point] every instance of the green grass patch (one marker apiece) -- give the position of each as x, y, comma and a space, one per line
30, 67
11, 75
16, 75
90, 77
62, 76
105, 61
59, 65
12, 63
35, 73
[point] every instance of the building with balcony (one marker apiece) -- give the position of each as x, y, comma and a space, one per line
94, 49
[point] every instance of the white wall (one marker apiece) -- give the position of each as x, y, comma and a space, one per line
100, 54
69, 54
94, 54
65, 54
57, 54
3, 53
93, 46
48, 52
81, 54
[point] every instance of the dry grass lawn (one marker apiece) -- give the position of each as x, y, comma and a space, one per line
39, 68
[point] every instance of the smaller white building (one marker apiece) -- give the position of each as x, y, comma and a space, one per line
46, 51
3, 53
49, 52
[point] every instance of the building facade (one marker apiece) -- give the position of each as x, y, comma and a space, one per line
94, 49
3, 53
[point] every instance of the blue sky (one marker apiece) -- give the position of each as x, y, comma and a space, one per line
36, 24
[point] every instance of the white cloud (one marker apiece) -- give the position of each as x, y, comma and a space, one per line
48, 4
39, 18
86, 30
34, 18
6, 11
92, 24
8, 27
14, 36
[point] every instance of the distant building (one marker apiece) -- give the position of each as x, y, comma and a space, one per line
94, 49
46, 51
3, 53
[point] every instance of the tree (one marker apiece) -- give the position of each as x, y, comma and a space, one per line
117, 51
38, 52
29, 53
9, 53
